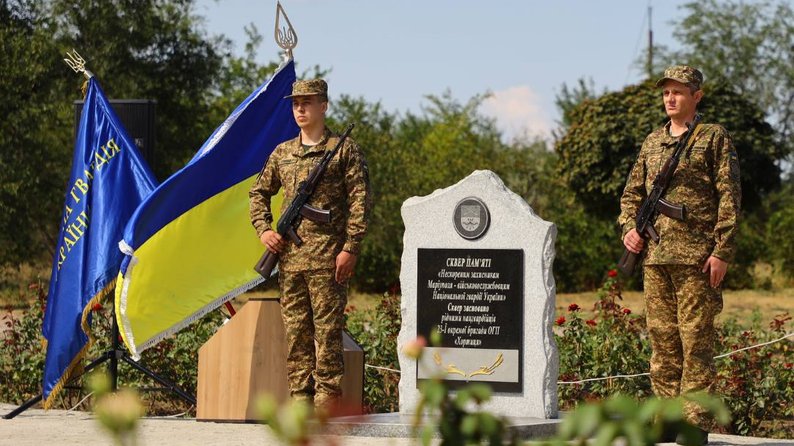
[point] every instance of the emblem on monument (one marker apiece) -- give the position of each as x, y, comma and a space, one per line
471, 219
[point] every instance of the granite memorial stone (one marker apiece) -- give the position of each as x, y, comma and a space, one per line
476, 267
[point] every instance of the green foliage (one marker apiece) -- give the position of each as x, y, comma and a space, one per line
748, 43
597, 151
569, 98
751, 247
613, 342
779, 229
458, 418
753, 137
415, 154
118, 412
757, 384
148, 49
376, 331
174, 358
638, 424
586, 247
155, 49
290, 423
22, 354
32, 168
22, 351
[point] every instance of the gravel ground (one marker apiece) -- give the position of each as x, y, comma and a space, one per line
36, 427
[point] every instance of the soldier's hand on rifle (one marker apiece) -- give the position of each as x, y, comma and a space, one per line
633, 242
716, 267
273, 241
345, 263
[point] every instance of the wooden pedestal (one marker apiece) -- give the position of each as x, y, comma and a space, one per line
246, 358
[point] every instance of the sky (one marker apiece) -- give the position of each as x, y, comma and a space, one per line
520, 52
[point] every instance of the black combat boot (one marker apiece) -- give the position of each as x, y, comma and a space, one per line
698, 437
669, 433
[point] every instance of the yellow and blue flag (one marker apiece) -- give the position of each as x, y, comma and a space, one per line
109, 180
190, 245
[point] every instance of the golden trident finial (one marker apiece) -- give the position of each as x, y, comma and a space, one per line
285, 36
77, 63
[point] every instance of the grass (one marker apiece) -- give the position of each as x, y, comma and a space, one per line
15, 280
738, 304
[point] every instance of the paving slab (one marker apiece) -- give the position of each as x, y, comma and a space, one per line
395, 425
36, 427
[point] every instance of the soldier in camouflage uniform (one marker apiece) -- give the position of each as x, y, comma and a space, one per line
313, 276
684, 271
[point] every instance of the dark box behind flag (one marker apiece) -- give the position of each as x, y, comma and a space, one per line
138, 118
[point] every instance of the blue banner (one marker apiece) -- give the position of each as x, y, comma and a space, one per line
109, 180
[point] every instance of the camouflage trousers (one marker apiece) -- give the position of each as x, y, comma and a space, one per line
681, 307
312, 307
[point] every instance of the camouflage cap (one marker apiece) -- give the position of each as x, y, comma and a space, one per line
684, 74
309, 87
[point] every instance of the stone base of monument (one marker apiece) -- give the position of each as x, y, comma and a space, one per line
396, 425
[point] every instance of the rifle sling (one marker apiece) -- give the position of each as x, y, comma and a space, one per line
695, 134
692, 139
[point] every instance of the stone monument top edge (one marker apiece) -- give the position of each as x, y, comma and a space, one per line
477, 180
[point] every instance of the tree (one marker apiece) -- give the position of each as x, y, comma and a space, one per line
154, 49
750, 45
414, 154
150, 49
568, 98
779, 227
33, 164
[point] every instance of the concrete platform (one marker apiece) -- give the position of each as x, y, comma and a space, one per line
395, 425
36, 427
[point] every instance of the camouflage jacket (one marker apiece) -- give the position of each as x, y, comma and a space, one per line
344, 190
706, 183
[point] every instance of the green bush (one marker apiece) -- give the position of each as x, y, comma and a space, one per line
636, 423
585, 248
750, 249
22, 355
757, 385
781, 245
613, 342
376, 331
22, 350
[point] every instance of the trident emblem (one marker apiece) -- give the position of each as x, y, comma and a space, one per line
285, 36
77, 63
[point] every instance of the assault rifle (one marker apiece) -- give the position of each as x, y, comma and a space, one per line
654, 204
299, 208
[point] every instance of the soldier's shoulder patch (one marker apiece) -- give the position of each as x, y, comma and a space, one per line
734, 163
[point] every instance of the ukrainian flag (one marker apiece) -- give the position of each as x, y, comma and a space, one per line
190, 245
